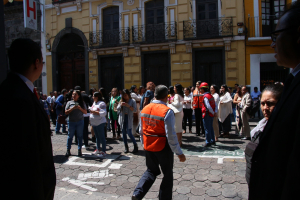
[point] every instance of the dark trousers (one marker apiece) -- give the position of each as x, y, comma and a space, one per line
86, 130
187, 115
199, 122
165, 160
53, 116
113, 127
226, 125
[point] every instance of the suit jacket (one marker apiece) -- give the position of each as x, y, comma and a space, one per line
275, 170
27, 160
246, 101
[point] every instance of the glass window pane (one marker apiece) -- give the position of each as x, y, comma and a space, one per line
160, 20
212, 7
106, 19
276, 2
281, 8
212, 15
150, 13
282, 2
106, 26
276, 9
150, 20
263, 4
116, 25
201, 7
268, 11
275, 21
116, 18
201, 16
267, 5
263, 22
160, 12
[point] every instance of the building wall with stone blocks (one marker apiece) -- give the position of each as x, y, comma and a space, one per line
87, 16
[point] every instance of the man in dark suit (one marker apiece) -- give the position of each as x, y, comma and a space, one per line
275, 170
27, 160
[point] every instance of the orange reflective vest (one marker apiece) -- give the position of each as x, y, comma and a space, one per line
154, 133
212, 104
197, 99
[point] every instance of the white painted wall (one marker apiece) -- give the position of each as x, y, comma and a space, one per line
255, 60
43, 44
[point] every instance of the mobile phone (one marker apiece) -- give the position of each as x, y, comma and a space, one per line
76, 103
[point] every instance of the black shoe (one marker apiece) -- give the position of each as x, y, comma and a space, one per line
134, 198
136, 149
65, 131
94, 139
213, 143
207, 145
79, 152
68, 153
126, 149
58, 133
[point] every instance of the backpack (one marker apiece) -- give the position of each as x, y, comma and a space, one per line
254, 107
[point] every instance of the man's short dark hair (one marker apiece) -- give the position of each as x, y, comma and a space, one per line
255, 88
63, 91
22, 53
161, 91
236, 84
77, 88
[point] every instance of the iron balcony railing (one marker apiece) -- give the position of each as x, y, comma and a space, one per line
261, 26
204, 29
110, 38
154, 33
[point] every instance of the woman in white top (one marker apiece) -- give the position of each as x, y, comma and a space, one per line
98, 122
213, 91
225, 109
176, 106
187, 109
133, 94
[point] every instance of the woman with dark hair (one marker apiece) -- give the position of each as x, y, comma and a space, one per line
105, 98
176, 106
269, 98
133, 94
225, 109
236, 100
75, 109
141, 91
98, 122
171, 94
127, 107
113, 114
187, 109
214, 92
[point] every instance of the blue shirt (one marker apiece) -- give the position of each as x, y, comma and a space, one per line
170, 130
149, 94
59, 101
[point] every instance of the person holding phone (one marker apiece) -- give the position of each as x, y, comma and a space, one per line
75, 109
187, 109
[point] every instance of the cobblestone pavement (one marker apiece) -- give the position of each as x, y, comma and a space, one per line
208, 173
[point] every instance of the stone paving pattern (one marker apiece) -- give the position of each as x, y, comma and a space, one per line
197, 178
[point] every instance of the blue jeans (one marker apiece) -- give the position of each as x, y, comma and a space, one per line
128, 131
100, 136
78, 127
208, 127
57, 127
234, 113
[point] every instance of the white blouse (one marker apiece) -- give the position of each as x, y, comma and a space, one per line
188, 98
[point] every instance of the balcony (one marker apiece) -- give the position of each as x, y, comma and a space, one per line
261, 26
205, 29
110, 38
154, 33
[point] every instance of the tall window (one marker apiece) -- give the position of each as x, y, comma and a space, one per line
110, 25
270, 13
207, 9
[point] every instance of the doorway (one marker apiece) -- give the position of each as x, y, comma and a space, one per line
270, 73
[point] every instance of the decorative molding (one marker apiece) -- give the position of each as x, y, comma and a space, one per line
227, 42
125, 51
68, 9
94, 55
145, 49
137, 51
188, 46
130, 2
57, 9
101, 52
79, 5
172, 48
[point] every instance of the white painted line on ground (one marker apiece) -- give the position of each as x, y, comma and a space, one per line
95, 174
220, 160
82, 184
110, 158
115, 166
235, 157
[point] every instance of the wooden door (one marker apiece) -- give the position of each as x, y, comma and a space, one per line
111, 72
72, 70
156, 69
209, 67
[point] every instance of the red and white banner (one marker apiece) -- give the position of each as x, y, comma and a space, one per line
30, 14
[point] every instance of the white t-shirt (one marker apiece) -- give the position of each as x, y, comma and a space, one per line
188, 98
96, 120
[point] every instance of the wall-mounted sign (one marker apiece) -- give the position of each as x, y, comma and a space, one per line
30, 14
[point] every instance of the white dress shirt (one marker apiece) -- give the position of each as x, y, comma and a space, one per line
27, 82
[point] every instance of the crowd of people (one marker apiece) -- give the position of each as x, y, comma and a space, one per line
119, 111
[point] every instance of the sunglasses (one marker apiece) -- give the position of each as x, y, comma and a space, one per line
274, 34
